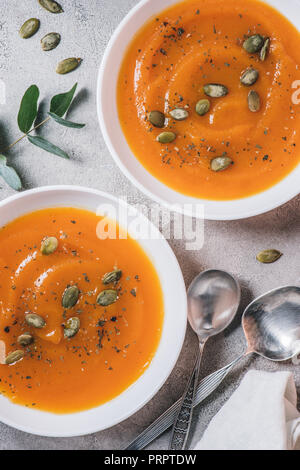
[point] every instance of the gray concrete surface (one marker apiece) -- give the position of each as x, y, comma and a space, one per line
86, 27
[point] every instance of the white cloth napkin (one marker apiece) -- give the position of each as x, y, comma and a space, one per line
260, 415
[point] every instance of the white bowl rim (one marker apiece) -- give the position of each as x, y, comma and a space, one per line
150, 392
258, 204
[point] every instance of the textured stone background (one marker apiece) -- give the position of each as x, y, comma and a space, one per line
86, 27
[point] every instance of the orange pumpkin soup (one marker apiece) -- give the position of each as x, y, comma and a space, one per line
244, 137
53, 268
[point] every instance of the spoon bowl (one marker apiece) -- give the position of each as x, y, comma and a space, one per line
272, 324
213, 300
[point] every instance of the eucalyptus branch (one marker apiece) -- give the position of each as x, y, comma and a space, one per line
25, 135
26, 117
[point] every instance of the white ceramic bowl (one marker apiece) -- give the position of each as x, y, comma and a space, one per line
174, 325
132, 168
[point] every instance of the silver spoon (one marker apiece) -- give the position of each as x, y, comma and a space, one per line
271, 325
213, 300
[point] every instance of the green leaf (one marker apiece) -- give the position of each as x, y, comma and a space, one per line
64, 122
61, 103
28, 109
46, 145
11, 177
9, 174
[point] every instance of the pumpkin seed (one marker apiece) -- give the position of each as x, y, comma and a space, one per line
253, 101
157, 118
25, 339
249, 77
268, 256
68, 65
265, 50
14, 356
202, 107
179, 114
29, 28
253, 44
49, 245
71, 328
51, 6
70, 297
166, 137
35, 320
50, 41
114, 276
220, 163
107, 297
215, 90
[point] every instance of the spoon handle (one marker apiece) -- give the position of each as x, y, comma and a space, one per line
161, 424
183, 420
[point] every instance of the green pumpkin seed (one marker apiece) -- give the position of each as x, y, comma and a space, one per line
215, 90
157, 118
202, 107
254, 43
249, 77
68, 65
50, 41
107, 297
113, 276
35, 320
29, 28
166, 137
253, 101
179, 114
70, 297
265, 50
49, 245
25, 339
268, 256
220, 163
71, 328
14, 356
51, 6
